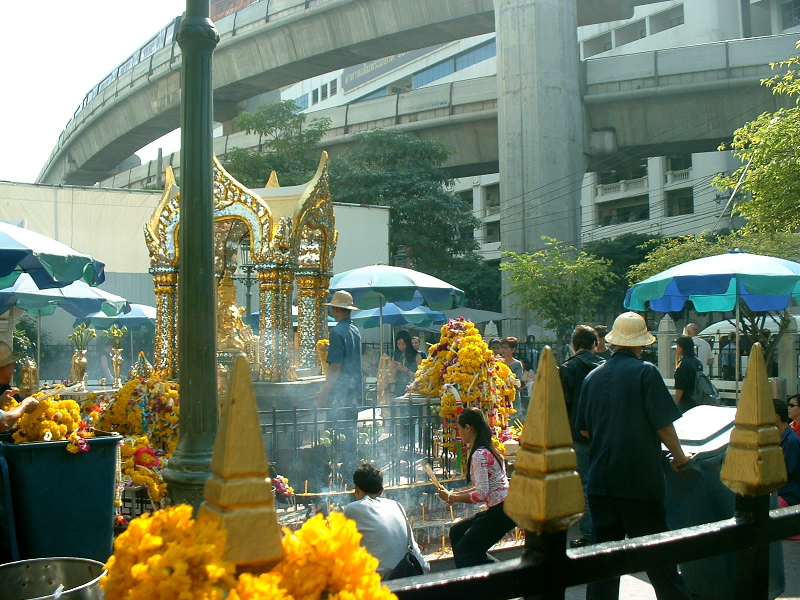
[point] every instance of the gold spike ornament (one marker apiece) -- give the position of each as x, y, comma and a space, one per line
239, 492
754, 464
545, 492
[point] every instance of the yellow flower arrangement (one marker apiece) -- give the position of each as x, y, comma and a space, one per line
82, 335
53, 420
146, 412
463, 371
168, 555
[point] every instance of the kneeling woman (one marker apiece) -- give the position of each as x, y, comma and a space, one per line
472, 538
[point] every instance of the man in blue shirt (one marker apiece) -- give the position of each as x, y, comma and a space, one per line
343, 384
626, 411
343, 390
790, 444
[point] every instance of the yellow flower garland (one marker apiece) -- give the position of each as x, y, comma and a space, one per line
52, 420
463, 371
168, 555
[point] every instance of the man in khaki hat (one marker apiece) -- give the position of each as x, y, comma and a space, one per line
343, 384
7, 393
626, 411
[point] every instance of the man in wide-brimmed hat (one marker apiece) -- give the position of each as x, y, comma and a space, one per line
626, 411
343, 384
8, 417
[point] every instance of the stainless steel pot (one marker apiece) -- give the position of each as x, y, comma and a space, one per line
40, 578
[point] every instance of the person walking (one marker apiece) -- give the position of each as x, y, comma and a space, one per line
572, 373
471, 538
702, 347
381, 522
686, 373
627, 412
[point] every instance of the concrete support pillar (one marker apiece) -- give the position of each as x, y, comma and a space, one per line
540, 124
656, 167
666, 355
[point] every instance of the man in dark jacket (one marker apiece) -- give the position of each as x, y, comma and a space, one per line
573, 371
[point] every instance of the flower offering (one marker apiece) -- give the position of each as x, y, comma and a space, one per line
170, 555
463, 372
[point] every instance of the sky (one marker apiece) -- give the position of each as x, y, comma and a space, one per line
54, 52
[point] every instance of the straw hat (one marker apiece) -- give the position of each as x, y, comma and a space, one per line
342, 299
7, 355
630, 329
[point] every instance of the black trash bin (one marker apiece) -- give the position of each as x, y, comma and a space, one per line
696, 496
56, 503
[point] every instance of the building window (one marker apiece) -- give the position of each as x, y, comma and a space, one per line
492, 200
679, 162
302, 102
476, 55
596, 45
628, 210
790, 13
666, 19
333, 86
324, 91
491, 232
443, 69
680, 202
315, 96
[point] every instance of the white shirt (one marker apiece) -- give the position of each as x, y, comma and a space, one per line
383, 530
703, 351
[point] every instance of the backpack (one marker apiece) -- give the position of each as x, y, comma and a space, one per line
704, 390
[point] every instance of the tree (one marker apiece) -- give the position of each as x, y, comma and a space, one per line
770, 145
675, 251
622, 252
288, 146
432, 225
559, 284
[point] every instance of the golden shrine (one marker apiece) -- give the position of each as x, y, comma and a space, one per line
291, 237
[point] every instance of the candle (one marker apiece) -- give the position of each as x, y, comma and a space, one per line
452, 515
306, 486
444, 545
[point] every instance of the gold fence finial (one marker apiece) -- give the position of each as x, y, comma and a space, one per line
754, 464
545, 493
239, 495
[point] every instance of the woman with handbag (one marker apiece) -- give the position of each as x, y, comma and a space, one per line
471, 538
384, 528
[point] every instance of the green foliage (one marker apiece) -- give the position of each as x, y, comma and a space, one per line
622, 252
431, 224
675, 251
559, 284
771, 142
288, 145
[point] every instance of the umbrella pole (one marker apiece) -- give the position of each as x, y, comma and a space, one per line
39, 341
738, 359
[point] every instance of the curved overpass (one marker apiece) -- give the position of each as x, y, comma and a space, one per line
263, 47
679, 99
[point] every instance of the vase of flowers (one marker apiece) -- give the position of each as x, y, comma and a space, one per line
81, 337
115, 334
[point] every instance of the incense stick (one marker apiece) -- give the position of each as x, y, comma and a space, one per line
429, 471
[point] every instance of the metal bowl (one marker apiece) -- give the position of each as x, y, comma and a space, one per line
39, 578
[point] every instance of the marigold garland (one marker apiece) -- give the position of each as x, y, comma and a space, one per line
146, 412
463, 372
53, 419
170, 556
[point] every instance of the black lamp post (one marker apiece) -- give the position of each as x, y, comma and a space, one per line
190, 466
247, 269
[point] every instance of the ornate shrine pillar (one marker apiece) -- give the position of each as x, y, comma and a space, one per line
275, 323
312, 321
165, 280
